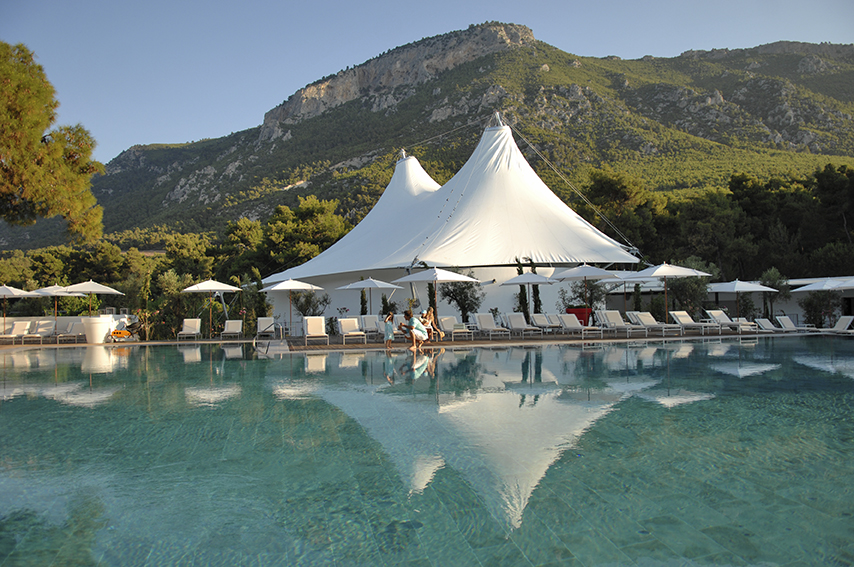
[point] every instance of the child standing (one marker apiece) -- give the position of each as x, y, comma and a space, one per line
389, 329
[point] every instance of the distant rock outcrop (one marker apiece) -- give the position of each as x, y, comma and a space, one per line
383, 76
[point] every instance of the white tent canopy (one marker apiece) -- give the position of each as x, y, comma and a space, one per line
493, 211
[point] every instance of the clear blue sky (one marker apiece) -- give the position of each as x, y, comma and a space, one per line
177, 71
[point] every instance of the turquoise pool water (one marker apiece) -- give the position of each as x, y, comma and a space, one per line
721, 453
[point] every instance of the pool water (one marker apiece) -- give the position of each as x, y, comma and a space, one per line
715, 453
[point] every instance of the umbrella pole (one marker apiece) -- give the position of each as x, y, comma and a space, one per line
666, 311
290, 315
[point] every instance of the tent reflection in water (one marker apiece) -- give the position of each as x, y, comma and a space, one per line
477, 435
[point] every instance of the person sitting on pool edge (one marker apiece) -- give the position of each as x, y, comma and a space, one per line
413, 329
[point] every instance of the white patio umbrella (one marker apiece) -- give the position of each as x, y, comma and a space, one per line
665, 271
9, 291
737, 287
370, 284
92, 288
56, 291
827, 284
210, 287
583, 273
291, 286
528, 279
436, 275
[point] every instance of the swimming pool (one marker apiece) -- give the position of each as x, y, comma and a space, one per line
683, 453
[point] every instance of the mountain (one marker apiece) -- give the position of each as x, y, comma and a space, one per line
680, 124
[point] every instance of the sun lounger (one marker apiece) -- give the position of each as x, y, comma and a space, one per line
486, 326
39, 331
767, 325
453, 328
841, 326
266, 328
191, 330
541, 321
722, 319
73, 333
233, 329
613, 321
348, 327
570, 324
646, 319
687, 323
519, 326
18, 330
371, 326
314, 328
786, 322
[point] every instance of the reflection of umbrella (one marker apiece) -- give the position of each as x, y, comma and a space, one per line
91, 288
289, 286
736, 287
665, 271
370, 284
529, 279
9, 291
210, 286
435, 275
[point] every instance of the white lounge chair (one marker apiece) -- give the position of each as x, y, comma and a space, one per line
786, 322
570, 324
646, 319
540, 320
314, 328
453, 328
348, 327
722, 319
613, 321
841, 326
486, 326
73, 334
191, 330
233, 329
39, 331
371, 326
519, 326
766, 325
18, 330
266, 328
687, 323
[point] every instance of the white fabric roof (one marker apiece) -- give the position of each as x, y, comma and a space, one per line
494, 210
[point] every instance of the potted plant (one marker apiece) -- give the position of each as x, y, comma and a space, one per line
580, 299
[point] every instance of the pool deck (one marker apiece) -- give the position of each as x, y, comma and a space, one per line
296, 344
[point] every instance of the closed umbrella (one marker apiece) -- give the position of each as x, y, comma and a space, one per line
291, 286
529, 279
370, 284
665, 271
209, 287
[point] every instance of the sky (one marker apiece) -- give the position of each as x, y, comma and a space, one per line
173, 71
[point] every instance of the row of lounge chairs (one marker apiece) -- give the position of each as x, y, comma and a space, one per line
43, 331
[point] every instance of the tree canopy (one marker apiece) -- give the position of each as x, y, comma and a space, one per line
43, 172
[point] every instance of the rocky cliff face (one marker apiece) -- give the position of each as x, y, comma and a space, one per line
404, 66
